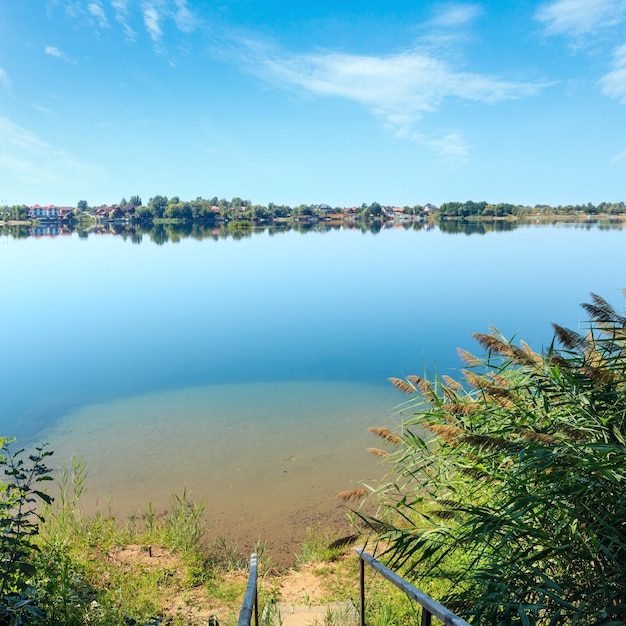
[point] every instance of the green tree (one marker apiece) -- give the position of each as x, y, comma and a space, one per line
375, 210
144, 213
510, 484
157, 205
82, 205
135, 201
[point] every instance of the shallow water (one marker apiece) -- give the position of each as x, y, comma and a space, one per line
249, 370
267, 459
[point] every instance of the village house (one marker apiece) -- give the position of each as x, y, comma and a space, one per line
49, 212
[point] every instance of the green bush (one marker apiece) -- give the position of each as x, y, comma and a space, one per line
509, 485
19, 524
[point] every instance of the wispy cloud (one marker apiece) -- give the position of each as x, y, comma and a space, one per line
120, 8
184, 18
152, 19
53, 51
400, 89
155, 15
96, 9
580, 17
28, 158
452, 147
4, 79
614, 83
618, 158
451, 15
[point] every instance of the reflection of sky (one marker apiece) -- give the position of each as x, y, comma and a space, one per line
101, 318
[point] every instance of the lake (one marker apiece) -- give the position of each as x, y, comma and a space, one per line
247, 367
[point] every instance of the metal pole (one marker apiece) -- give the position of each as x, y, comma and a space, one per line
426, 617
362, 585
256, 606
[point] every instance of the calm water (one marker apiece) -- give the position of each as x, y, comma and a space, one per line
248, 370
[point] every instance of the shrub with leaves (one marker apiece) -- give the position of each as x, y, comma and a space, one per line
19, 524
509, 484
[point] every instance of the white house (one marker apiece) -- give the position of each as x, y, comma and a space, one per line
43, 213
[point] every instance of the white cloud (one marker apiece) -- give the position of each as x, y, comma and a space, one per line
451, 147
614, 83
618, 157
183, 17
95, 9
54, 52
449, 15
27, 158
151, 18
400, 88
580, 17
120, 8
4, 79
153, 13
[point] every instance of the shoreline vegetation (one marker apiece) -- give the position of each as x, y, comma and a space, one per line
214, 211
505, 494
63, 565
163, 230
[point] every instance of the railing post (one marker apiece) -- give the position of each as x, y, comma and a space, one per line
426, 617
362, 590
250, 601
430, 606
256, 605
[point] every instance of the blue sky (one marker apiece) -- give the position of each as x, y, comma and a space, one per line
337, 102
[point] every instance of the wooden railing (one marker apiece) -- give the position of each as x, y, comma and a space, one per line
430, 607
250, 601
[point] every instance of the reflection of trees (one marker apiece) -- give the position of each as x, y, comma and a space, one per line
240, 229
464, 227
17, 232
158, 235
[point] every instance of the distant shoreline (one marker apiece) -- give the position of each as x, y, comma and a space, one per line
537, 217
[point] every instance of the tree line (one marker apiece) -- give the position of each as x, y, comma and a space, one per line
503, 209
212, 209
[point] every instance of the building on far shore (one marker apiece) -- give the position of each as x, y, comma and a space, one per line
49, 212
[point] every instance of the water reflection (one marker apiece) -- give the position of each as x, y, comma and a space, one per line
174, 232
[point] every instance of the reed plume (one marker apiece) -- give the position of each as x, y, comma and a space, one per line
477, 474
569, 338
452, 383
493, 344
450, 394
531, 435
532, 356
424, 385
601, 311
576, 434
468, 358
402, 385
386, 434
466, 408
447, 432
444, 514
377, 452
599, 374
352, 494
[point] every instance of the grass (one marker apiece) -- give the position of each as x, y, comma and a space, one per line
163, 568
317, 546
96, 569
